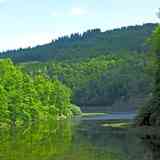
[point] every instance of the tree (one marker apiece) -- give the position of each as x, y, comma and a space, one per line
24, 98
150, 113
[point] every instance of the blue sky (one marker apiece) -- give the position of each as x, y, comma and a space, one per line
26, 23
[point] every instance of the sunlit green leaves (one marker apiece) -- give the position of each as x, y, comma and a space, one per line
25, 98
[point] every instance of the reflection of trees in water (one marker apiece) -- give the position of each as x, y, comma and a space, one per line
38, 141
121, 142
153, 147
150, 137
83, 141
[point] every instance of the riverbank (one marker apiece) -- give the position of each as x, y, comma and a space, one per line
109, 116
94, 114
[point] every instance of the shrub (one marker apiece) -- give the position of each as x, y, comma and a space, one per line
75, 109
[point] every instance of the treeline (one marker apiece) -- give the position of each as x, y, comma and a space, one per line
24, 98
101, 69
104, 80
91, 43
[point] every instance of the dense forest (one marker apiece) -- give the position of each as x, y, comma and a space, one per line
25, 98
111, 69
103, 81
89, 44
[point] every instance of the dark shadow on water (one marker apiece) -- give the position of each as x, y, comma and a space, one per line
150, 137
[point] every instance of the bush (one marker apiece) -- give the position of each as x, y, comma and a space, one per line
75, 109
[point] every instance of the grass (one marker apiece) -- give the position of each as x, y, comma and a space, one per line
116, 124
94, 114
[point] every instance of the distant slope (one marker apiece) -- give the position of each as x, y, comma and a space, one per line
119, 82
89, 44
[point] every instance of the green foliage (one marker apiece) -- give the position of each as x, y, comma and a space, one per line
91, 43
24, 98
75, 109
102, 80
150, 113
101, 68
155, 40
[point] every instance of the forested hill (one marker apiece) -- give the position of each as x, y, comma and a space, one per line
91, 43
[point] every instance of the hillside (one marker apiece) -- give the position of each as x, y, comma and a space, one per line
118, 82
111, 69
89, 44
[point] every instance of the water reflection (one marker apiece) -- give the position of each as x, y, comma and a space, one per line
151, 139
38, 142
81, 140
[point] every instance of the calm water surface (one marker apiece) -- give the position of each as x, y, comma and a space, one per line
86, 138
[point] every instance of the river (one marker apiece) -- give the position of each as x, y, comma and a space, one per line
103, 137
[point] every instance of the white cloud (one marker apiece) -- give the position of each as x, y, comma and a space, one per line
78, 12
